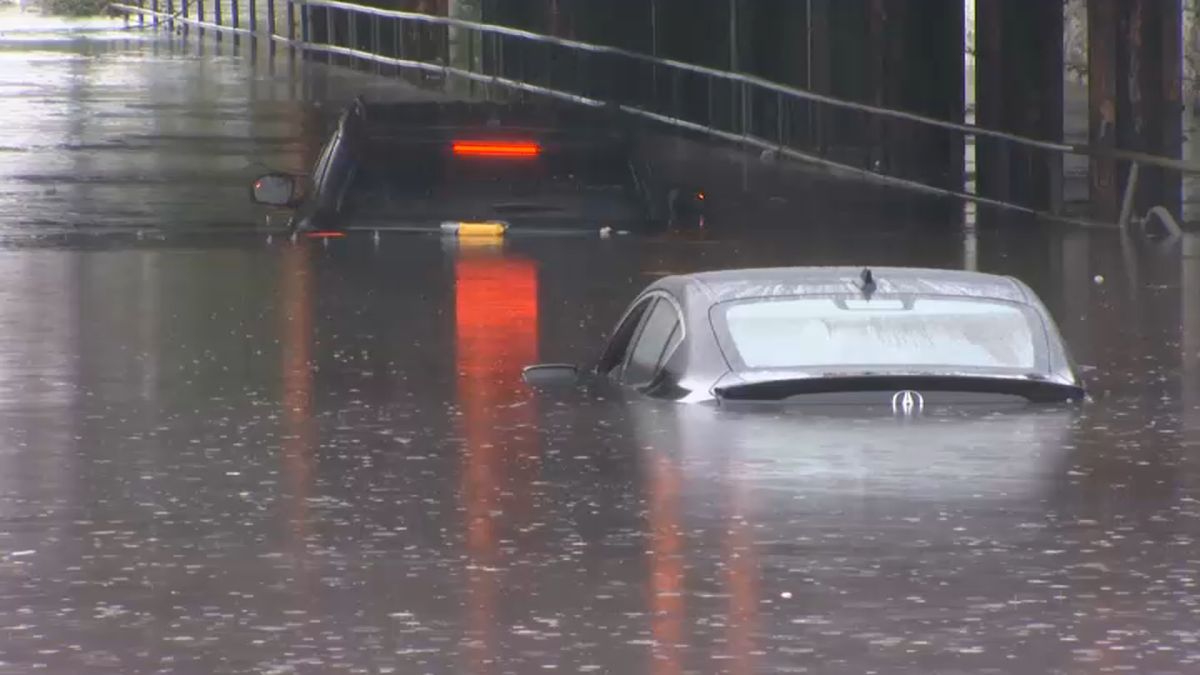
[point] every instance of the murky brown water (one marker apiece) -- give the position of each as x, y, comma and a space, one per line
223, 454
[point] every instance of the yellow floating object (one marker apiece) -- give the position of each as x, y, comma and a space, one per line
487, 228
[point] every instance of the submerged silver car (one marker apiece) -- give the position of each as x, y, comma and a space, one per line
904, 338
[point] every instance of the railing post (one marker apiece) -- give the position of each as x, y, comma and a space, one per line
154, 8
271, 20
306, 22
712, 123
141, 17
375, 41
183, 11
747, 111
779, 118
471, 84
217, 15
253, 16
397, 45
330, 34
235, 15
291, 21
171, 15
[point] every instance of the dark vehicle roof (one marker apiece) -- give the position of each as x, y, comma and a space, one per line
723, 285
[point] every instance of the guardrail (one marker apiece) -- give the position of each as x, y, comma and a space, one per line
731, 106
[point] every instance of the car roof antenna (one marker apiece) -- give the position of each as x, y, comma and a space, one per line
868, 283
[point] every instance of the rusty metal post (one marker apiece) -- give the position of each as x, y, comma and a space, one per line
1103, 178
1019, 89
907, 55
1135, 77
934, 83
1161, 108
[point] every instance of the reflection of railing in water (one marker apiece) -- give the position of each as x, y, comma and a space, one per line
732, 106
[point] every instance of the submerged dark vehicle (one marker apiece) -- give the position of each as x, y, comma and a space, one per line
481, 167
902, 338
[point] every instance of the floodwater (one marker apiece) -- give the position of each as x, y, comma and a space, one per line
223, 452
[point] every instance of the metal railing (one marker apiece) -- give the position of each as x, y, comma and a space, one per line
732, 106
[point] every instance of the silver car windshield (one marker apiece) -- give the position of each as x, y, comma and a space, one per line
824, 332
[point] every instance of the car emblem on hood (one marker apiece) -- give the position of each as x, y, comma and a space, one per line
907, 403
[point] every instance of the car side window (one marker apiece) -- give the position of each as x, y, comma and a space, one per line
653, 344
613, 358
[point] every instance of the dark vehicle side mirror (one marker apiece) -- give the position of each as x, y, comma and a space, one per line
276, 189
550, 375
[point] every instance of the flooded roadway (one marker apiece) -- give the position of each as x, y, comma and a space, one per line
223, 454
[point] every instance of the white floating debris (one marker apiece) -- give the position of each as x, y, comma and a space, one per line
1099, 279
18, 554
786, 595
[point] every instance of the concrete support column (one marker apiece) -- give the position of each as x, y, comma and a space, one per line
1019, 89
1135, 69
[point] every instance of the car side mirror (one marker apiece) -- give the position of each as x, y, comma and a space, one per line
550, 375
276, 189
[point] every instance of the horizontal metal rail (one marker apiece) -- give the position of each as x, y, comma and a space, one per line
743, 78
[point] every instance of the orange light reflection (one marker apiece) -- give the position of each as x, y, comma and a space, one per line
743, 578
666, 567
496, 322
299, 438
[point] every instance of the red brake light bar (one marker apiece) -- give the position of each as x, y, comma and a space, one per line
511, 149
